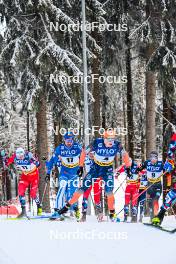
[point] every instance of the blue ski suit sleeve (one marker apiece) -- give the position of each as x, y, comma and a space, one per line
53, 161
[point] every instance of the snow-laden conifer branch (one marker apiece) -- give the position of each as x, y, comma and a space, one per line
15, 55
31, 50
170, 57
53, 50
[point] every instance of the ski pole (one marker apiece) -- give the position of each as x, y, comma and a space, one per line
32, 207
147, 188
44, 192
52, 198
94, 206
92, 201
121, 184
142, 192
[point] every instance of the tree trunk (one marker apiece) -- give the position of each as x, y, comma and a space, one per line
150, 93
129, 98
125, 122
150, 112
28, 130
96, 114
96, 117
104, 106
57, 137
143, 145
150, 106
42, 149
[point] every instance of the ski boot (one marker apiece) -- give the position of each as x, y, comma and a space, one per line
113, 216
140, 218
72, 214
157, 220
77, 213
56, 215
126, 213
134, 219
23, 213
134, 214
39, 211
125, 218
83, 218
99, 212
64, 209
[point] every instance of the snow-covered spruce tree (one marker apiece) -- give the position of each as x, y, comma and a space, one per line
156, 37
120, 57
113, 64
144, 19
117, 58
30, 55
34, 52
95, 14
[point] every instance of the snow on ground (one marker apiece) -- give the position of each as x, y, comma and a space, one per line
41, 241
44, 242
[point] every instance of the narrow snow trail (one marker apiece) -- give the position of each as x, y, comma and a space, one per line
41, 241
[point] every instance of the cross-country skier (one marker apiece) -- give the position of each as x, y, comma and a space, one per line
170, 198
72, 156
28, 165
142, 193
154, 168
131, 190
105, 151
96, 188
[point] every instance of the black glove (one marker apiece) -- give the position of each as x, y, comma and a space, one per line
64, 209
128, 171
47, 178
80, 172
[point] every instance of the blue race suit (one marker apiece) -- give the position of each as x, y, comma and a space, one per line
154, 174
102, 165
68, 178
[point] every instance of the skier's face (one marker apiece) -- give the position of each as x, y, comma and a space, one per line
153, 159
68, 142
109, 142
20, 156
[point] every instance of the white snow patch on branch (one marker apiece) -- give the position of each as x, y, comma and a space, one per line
57, 52
169, 55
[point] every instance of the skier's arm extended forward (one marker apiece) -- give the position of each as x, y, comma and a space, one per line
141, 167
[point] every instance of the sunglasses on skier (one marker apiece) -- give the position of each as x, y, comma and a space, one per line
153, 157
110, 140
69, 140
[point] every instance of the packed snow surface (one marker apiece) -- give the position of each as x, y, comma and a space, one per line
46, 242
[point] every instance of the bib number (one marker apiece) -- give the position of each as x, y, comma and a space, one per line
70, 160
153, 175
